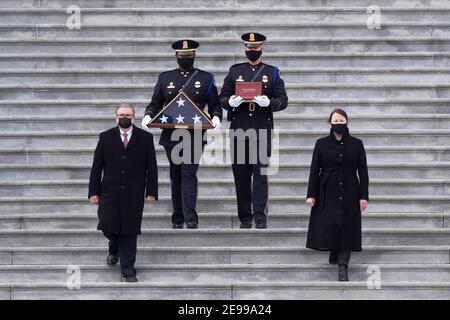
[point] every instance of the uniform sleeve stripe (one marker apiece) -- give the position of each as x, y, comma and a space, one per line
211, 82
275, 75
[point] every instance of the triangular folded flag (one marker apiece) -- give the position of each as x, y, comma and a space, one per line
181, 113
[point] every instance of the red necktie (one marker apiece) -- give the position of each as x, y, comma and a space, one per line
125, 140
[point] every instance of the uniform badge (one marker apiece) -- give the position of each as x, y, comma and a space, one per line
240, 78
171, 86
197, 85
265, 79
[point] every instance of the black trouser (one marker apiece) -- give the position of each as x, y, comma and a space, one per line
250, 193
184, 185
125, 247
342, 257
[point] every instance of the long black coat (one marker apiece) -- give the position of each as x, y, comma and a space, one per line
335, 221
128, 176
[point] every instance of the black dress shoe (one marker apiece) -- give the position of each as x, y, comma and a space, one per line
343, 273
333, 257
129, 279
112, 260
177, 226
192, 225
261, 225
246, 225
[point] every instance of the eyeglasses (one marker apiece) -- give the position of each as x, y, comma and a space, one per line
125, 115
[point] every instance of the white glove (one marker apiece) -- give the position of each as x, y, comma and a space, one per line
235, 101
146, 121
262, 101
216, 123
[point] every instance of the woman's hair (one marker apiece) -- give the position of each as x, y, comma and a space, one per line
338, 111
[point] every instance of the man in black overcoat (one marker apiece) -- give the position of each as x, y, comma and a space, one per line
124, 174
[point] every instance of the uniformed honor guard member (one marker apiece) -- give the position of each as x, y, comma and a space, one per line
257, 115
200, 86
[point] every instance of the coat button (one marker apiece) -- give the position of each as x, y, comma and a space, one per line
340, 198
342, 143
123, 171
122, 187
124, 157
250, 114
341, 155
341, 183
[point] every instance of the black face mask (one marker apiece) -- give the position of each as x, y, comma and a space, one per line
185, 63
125, 123
253, 55
339, 128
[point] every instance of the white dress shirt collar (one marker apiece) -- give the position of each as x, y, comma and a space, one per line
129, 133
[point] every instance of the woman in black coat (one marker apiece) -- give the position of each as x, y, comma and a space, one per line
338, 191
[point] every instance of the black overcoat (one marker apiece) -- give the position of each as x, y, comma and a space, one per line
338, 180
122, 178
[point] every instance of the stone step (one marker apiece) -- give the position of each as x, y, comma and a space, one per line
290, 187
385, 203
230, 14
386, 170
328, 57
214, 220
226, 272
115, 53
433, 255
284, 120
359, 106
299, 75
275, 29
231, 45
227, 290
295, 90
286, 154
240, 4
217, 237
291, 138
